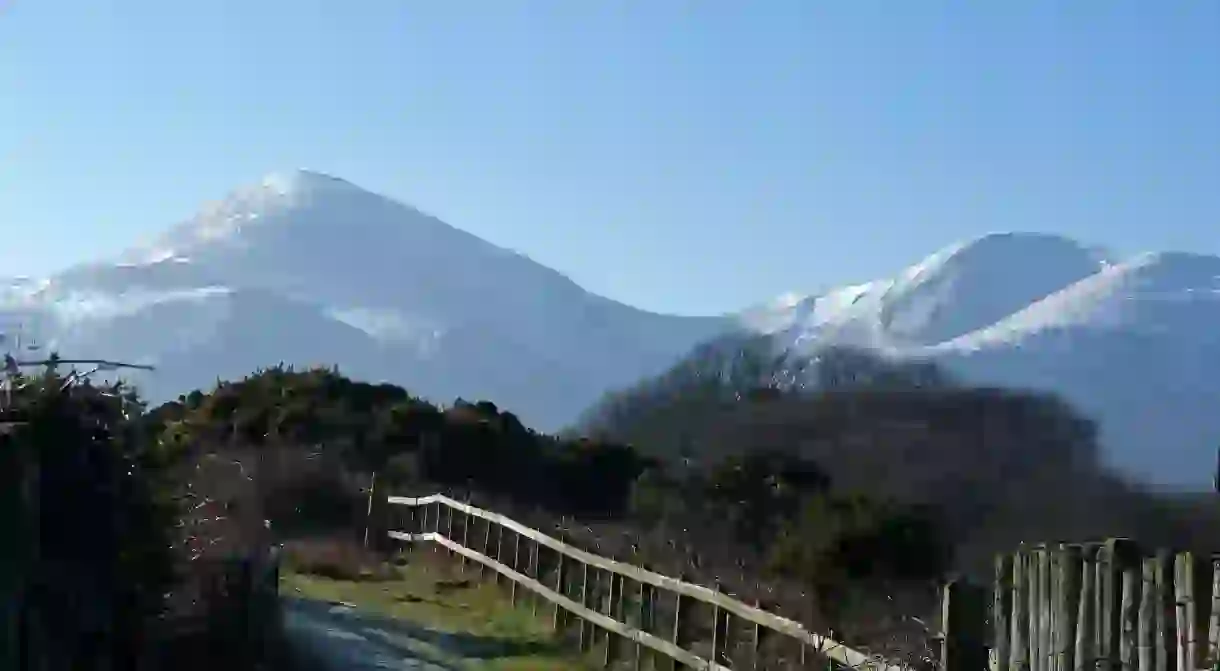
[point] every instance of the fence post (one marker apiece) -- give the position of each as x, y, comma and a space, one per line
532, 570
436, 547
1164, 622
679, 629
1184, 601
613, 596
1046, 651
586, 629
755, 640
1001, 610
512, 584
1087, 615
963, 614
466, 517
1018, 657
368, 513
1213, 620
641, 609
1117, 555
557, 616
1068, 616
486, 545
717, 636
495, 575
1146, 627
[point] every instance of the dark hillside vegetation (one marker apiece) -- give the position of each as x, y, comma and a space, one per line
997, 466
839, 494
118, 553
87, 529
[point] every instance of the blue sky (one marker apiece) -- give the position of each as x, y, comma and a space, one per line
680, 155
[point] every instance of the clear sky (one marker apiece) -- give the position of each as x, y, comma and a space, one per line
690, 156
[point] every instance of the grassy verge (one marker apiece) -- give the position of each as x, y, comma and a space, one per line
430, 591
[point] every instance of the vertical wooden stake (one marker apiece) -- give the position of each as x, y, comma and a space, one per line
1213, 620
557, 617
1070, 569
1018, 657
512, 596
439, 507
1146, 627
1001, 611
1057, 605
586, 629
963, 614
641, 614
717, 636
368, 513
1086, 615
613, 607
1129, 601
679, 629
532, 571
755, 640
486, 545
495, 575
466, 517
1117, 554
1035, 611
1184, 600
1165, 657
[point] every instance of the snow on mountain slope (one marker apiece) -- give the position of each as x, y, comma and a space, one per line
306, 268
1130, 342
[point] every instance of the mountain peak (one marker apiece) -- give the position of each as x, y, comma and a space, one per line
1016, 246
302, 179
292, 186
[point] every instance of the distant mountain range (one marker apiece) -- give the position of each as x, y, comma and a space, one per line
305, 268
1133, 343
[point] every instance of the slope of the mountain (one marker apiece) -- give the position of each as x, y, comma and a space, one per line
309, 269
1130, 342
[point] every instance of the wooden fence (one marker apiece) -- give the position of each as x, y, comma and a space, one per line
656, 615
1109, 605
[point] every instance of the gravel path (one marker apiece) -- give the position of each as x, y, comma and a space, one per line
345, 639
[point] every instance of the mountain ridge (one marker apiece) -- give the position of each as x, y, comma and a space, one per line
1123, 339
324, 272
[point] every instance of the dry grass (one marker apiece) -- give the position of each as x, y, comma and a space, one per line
336, 559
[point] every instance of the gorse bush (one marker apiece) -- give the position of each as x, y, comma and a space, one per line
89, 542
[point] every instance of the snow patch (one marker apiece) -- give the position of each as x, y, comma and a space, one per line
77, 306
391, 326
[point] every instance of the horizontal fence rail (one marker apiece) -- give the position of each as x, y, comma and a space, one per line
609, 588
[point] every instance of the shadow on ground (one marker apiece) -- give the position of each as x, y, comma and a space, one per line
345, 638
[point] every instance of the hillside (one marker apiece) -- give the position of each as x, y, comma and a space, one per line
1129, 342
982, 458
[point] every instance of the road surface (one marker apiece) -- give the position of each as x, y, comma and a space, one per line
343, 638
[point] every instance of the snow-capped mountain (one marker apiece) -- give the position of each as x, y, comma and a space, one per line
309, 269
303, 268
1131, 342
